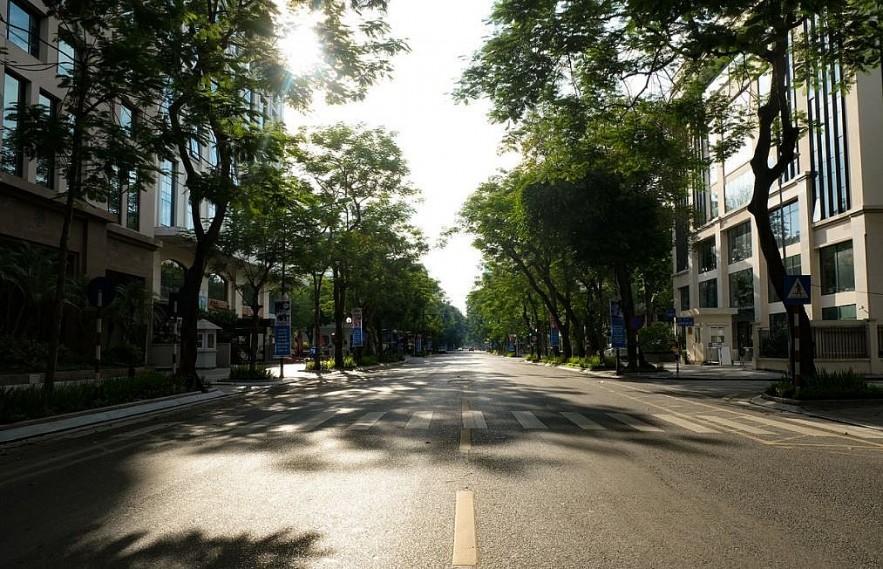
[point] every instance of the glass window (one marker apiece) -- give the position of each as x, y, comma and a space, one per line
792, 267
171, 275
194, 147
708, 294
845, 312
739, 240
23, 27
65, 59
738, 191
837, 268
217, 287
684, 295
133, 209
13, 95
212, 150
786, 224
168, 186
826, 107
127, 118
707, 255
742, 289
46, 160
779, 321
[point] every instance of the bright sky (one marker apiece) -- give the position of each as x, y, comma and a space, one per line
450, 148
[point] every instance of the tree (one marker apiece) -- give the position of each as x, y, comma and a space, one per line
100, 154
356, 172
224, 72
549, 53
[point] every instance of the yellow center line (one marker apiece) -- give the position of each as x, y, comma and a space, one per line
465, 541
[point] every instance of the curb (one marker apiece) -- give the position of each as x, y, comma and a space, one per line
40, 427
790, 406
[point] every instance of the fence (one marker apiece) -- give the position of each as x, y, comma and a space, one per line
851, 341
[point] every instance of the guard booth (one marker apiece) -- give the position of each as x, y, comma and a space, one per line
206, 344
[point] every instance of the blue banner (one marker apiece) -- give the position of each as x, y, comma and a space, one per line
617, 326
283, 342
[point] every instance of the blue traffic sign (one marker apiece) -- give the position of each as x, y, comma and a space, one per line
686, 321
798, 289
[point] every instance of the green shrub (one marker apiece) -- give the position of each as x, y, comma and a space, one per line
828, 385
657, 338
245, 373
328, 364
19, 404
22, 353
369, 360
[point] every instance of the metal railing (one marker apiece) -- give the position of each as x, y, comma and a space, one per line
831, 342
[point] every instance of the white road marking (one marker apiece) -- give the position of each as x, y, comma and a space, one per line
367, 421
634, 423
735, 425
689, 425
528, 420
582, 421
788, 426
850, 430
420, 420
473, 420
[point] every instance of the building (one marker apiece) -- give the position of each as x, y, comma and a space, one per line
135, 237
828, 214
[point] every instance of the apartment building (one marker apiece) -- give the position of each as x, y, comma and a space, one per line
827, 212
135, 236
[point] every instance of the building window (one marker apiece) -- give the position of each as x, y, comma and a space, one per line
212, 150
739, 239
171, 278
168, 188
127, 118
23, 27
65, 59
682, 245
742, 293
46, 160
708, 294
217, 290
133, 209
738, 192
845, 312
779, 321
194, 147
707, 255
684, 295
13, 96
837, 268
827, 113
792, 267
786, 224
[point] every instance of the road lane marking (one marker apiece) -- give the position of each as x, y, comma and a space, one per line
528, 420
582, 421
789, 427
689, 425
735, 425
465, 440
420, 420
465, 541
366, 421
473, 420
842, 429
634, 423
310, 424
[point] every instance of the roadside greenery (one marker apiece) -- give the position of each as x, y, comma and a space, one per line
250, 373
826, 384
21, 404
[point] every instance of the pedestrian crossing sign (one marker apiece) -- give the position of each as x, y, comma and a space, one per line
797, 289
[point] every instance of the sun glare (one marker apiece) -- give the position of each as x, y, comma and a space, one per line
300, 45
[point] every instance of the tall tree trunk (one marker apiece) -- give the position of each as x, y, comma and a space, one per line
627, 304
778, 107
60, 282
190, 320
338, 293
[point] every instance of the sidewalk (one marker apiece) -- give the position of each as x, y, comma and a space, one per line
862, 413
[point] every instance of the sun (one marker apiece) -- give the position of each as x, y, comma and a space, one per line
299, 43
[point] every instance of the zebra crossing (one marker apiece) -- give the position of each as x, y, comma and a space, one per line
355, 420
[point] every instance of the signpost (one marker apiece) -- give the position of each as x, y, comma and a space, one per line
100, 292
358, 337
797, 292
282, 346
